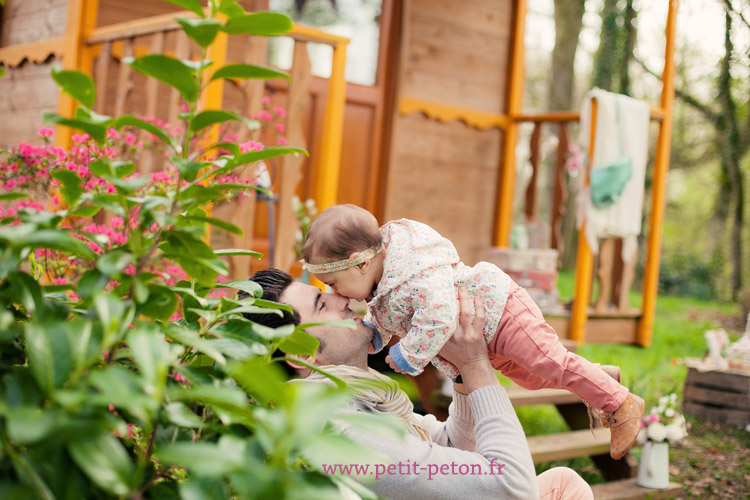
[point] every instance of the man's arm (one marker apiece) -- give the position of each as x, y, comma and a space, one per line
501, 466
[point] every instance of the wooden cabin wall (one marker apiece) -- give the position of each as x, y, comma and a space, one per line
445, 174
27, 91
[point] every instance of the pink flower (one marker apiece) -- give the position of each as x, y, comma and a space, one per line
46, 132
251, 146
266, 99
282, 141
60, 281
279, 128
281, 112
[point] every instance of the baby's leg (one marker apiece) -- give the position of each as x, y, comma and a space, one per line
525, 342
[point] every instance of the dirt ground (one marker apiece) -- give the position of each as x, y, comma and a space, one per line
713, 462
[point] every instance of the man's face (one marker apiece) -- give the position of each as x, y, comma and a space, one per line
338, 345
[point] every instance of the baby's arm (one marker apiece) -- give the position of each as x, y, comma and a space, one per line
431, 300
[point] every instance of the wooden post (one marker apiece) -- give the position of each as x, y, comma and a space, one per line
659, 186
329, 159
584, 259
82, 16
506, 179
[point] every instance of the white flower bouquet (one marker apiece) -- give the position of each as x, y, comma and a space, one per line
664, 421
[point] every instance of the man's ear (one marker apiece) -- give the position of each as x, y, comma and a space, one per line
363, 266
298, 366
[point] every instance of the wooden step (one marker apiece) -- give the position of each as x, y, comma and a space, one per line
626, 489
573, 444
525, 397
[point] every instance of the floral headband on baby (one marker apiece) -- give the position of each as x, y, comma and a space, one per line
340, 265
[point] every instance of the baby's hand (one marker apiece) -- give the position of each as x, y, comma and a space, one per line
394, 366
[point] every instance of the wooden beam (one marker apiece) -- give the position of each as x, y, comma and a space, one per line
442, 112
36, 52
81, 19
329, 158
659, 185
506, 179
584, 258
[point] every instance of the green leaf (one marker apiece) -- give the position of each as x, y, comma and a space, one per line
85, 211
230, 8
202, 31
259, 23
256, 156
123, 389
2, 69
300, 343
161, 303
188, 169
273, 333
169, 70
71, 185
26, 291
112, 263
191, 5
48, 353
245, 71
190, 339
251, 287
237, 251
104, 460
180, 415
76, 84
91, 281
229, 397
13, 195
263, 381
94, 128
222, 224
211, 117
56, 240
127, 186
132, 121
153, 356
27, 425
205, 459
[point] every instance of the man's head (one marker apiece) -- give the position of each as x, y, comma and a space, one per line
338, 345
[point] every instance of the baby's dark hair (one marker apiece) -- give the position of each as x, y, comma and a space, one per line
340, 231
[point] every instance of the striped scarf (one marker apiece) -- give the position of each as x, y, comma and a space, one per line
377, 393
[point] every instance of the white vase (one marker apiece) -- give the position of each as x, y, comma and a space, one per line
653, 471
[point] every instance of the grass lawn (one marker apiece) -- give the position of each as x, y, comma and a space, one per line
715, 460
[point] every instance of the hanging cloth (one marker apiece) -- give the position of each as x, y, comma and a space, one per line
612, 205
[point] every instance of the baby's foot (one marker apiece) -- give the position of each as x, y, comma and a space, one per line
624, 425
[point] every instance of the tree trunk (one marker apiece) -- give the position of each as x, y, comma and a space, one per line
604, 61
568, 22
628, 44
731, 157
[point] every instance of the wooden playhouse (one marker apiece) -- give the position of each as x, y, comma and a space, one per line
433, 138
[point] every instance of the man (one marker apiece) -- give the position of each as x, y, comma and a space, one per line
479, 452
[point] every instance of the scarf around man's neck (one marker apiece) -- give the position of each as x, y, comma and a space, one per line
377, 393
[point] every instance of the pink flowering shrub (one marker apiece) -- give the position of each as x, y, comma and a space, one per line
127, 366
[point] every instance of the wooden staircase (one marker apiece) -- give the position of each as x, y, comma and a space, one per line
581, 441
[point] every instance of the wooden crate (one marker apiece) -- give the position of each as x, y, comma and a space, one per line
719, 396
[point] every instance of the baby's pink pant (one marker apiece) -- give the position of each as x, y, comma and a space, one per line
528, 351
561, 483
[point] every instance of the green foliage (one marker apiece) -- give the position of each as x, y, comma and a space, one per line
688, 275
102, 393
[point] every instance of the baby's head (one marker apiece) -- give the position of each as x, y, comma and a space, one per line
343, 250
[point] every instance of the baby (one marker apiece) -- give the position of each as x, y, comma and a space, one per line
409, 275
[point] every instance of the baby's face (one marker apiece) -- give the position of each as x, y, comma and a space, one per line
354, 283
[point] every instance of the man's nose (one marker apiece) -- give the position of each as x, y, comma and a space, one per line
341, 302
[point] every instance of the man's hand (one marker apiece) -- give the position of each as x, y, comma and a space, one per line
467, 345
394, 366
467, 349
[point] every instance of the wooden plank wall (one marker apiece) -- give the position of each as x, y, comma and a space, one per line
445, 174
27, 91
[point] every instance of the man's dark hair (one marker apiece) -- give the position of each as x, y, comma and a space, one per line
273, 282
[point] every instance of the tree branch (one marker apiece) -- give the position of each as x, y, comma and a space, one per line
730, 8
704, 109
